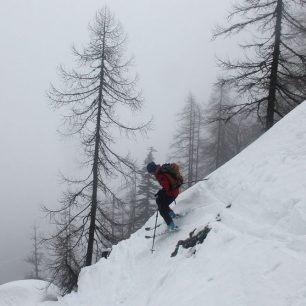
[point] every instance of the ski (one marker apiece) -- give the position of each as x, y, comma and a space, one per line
178, 216
162, 233
151, 228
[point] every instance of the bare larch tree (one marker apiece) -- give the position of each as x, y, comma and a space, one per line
64, 262
94, 95
36, 257
272, 77
188, 140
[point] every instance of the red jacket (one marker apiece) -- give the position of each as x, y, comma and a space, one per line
164, 182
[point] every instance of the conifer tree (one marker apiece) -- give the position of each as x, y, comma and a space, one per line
146, 189
35, 259
188, 141
92, 95
226, 137
272, 77
65, 254
217, 143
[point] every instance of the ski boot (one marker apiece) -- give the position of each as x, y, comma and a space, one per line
172, 214
172, 227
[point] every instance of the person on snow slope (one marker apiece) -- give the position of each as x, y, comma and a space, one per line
169, 178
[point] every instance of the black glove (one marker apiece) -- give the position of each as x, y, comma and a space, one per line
159, 193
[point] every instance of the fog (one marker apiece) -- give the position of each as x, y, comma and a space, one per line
173, 53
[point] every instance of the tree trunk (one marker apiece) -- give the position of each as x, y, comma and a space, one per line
190, 148
95, 169
36, 253
113, 215
218, 157
198, 145
274, 70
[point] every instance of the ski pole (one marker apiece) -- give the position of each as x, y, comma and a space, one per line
195, 181
154, 232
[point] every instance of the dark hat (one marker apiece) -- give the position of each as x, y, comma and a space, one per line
151, 167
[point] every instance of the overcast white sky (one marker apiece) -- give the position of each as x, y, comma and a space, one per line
171, 43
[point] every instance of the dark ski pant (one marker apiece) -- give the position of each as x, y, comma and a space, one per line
163, 201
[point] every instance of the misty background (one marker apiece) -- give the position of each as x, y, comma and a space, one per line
173, 54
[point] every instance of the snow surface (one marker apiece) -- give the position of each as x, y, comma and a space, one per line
254, 256
26, 293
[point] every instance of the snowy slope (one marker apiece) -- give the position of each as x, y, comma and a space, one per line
26, 293
254, 256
